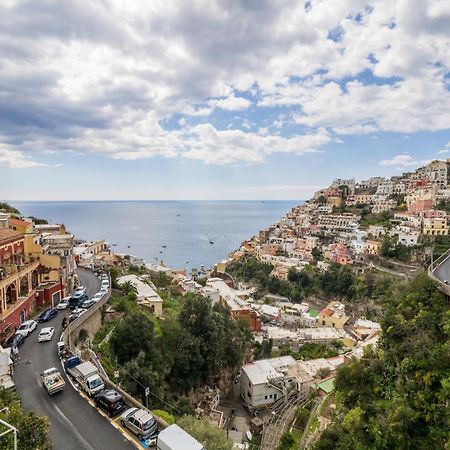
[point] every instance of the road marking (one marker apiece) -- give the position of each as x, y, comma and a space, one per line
86, 444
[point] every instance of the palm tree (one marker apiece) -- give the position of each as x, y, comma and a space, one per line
128, 287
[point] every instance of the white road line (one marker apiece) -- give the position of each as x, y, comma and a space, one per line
86, 444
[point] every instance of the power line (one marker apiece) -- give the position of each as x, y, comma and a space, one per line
138, 382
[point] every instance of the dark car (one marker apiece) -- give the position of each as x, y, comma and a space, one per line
16, 340
72, 362
47, 315
110, 401
77, 300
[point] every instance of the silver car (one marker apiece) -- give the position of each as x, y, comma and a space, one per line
140, 422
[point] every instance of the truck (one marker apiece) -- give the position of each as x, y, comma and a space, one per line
86, 375
175, 438
52, 381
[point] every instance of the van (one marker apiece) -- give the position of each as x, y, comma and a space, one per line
110, 401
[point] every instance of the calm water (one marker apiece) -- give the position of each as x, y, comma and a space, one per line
184, 227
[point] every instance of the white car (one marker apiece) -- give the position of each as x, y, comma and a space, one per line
98, 296
80, 290
27, 327
104, 288
46, 334
78, 311
63, 304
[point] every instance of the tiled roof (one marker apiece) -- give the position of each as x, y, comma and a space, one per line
7, 234
21, 223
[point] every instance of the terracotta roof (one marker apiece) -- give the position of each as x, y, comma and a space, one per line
21, 223
326, 312
7, 235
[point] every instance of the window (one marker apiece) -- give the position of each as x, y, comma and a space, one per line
275, 396
265, 397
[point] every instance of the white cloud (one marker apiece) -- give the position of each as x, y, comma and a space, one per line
400, 161
102, 76
443, 151
231, 103
13, 159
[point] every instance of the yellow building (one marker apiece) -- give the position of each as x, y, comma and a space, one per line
333, 315
372, 247
21, 226
51, 263
435, 226
335, 201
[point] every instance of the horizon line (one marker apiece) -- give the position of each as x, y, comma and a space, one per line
158, 200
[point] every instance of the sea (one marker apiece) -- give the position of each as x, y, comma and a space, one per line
181, 234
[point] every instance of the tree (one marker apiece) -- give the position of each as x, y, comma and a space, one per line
397, 397
128, 287
133, 335
32, 429
206, 433
287, 441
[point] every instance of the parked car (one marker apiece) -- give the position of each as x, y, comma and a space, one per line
98, 296
80, 290
104, 289
47, 315
77, 300
72, 362
140, 422
16, 340
64, 303
77, 312
46, 334
27, 327
110, 401
88, 303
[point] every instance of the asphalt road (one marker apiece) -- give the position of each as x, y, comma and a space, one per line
443, 271
74, 424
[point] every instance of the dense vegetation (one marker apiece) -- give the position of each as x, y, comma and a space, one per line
32, 429
398, 396
190, 347
5, 207
338, 281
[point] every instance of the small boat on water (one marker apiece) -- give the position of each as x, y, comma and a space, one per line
211, 242
164, 246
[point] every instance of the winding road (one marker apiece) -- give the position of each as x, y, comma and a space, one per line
74, 424
442, 271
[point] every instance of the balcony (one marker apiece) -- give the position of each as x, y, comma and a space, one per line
11, 307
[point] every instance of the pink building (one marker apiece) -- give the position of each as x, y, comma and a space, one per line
421, 204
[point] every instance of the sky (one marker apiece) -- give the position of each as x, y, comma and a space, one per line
231, 99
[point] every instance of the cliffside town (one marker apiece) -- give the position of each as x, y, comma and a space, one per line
350, 221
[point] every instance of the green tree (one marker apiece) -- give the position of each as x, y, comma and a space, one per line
210, 436
133, 335
287, 442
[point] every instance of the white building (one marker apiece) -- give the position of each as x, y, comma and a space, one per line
4, 221
146, 295
265, 381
